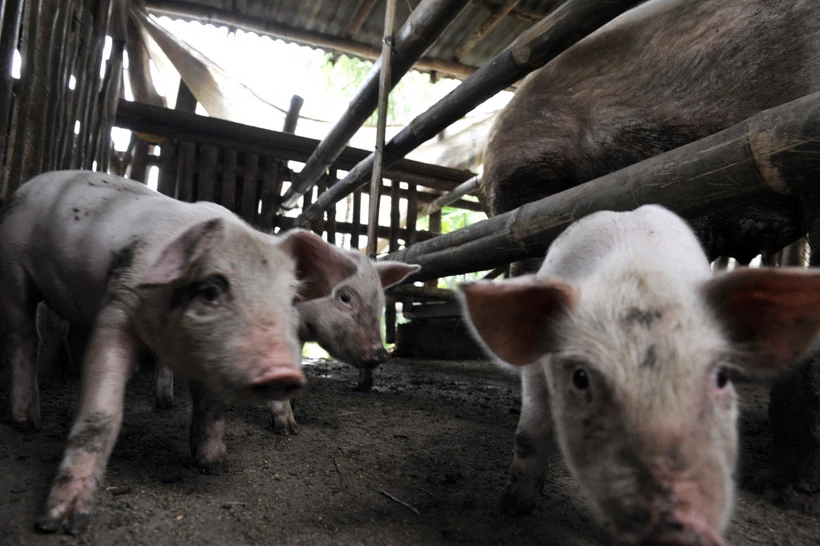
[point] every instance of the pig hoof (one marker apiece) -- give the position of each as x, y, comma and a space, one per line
285, 429
212, 468
363, 387
365, 382
74, 523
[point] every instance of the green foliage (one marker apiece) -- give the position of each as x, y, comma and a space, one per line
414, 94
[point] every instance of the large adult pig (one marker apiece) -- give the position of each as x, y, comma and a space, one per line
203, 290
344, 318
663, 74
628, 340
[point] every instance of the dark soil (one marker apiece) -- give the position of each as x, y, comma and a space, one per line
437, 436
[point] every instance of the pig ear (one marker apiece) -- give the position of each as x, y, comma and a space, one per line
176, 260
319, 265
515, 319
392, 273
772, 315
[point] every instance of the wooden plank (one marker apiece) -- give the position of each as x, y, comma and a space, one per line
206, 182
435, 228
319, 225
185, 171
228, 181
249, 198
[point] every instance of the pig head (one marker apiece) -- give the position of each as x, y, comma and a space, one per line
344, 316
631, 341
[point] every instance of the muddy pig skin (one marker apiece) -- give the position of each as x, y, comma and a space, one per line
627, 339
190, 281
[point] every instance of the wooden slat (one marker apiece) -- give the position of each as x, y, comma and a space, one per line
229, 181
330, 221
412, 215
250, 202
355, 231
271, 188
206, 186
185, 171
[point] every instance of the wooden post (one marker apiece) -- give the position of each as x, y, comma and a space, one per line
384, 91
356, 221
73, 113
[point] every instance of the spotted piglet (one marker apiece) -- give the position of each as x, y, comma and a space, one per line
212, 297
628, 340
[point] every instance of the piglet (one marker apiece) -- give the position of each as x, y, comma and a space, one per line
628, 340
190, 281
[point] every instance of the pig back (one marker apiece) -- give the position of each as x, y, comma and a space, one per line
75, 230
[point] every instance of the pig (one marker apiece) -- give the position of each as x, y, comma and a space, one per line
666, 73
346, 322
190, 281
627, 340
344, 319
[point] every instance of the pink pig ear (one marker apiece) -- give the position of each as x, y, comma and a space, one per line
772, 315
319, 265
392, 273
180, 256
515, 319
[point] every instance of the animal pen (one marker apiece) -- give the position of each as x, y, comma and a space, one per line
60, 112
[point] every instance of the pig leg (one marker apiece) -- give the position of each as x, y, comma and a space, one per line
207, 438
110, 359
365, 382
281, 417
531, 439
163, 386
18, 306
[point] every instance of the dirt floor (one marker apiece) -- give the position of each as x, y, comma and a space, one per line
436, 436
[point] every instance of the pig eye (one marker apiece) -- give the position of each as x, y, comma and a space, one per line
721, 378
580, 379
212, 289
345, 298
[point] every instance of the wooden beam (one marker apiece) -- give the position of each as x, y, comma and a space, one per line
173, 124
495, 17
361, 16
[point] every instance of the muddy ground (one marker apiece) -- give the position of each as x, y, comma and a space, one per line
436, 436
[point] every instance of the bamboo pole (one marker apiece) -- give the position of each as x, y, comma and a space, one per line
752, 162
465, 188
566, 25
216, 16
421, 29
385, 79
524, 15
292, 117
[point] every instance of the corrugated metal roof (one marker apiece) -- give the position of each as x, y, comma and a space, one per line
334, 17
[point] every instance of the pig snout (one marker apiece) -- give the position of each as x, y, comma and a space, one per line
671, 525
279, 384
373, 357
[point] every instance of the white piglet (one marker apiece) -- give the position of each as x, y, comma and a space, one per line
628, 340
